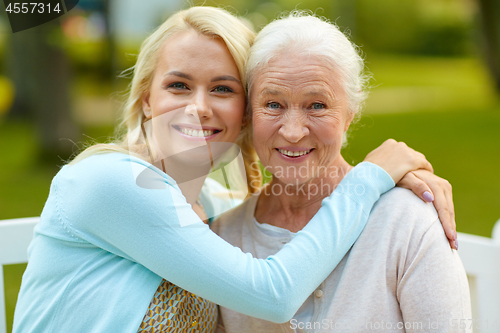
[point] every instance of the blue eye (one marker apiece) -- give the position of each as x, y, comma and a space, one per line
273, 105
223, 89
177, 85
318, 106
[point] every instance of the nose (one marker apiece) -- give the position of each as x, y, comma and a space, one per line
200, 106
293, 127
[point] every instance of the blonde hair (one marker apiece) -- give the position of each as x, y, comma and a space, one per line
209, 21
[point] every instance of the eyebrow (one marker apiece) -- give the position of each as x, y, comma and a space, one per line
180, 74
315, 93
215, 79
270, 92
225, 78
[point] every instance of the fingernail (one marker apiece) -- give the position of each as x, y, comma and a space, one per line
456, 244
428, 196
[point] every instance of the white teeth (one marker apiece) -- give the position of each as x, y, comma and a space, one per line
294, 153
197, 133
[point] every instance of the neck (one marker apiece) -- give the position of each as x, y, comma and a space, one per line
293, 205
189, 178
191, 189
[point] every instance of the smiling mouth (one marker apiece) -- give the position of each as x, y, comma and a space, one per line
294, 153
195, 133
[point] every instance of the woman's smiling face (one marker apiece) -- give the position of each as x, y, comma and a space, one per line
300, 113
196, 96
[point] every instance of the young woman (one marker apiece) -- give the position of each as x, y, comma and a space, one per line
119, 247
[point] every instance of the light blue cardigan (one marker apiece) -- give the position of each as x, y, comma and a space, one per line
103, 245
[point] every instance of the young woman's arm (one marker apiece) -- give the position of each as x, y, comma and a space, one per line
99, 202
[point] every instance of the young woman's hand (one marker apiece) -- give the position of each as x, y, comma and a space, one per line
432, 188
397, 159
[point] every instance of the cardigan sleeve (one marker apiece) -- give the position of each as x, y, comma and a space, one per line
433, 287
100, 203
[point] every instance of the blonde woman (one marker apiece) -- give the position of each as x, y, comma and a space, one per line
112, 255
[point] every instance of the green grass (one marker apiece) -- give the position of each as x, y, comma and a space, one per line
408, 84
24, 183
13, 275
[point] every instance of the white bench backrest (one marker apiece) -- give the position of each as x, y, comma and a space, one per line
15, 237
480, 256
481, 259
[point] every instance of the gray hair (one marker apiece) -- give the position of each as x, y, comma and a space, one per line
304, 32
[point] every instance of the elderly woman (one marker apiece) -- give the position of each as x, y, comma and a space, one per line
305, 87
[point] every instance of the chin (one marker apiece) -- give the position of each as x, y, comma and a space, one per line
292, 181
190, 156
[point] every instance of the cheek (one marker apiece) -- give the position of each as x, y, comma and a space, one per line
329, 131
163, 104
264, 127
234, 113
259, 133
231, 115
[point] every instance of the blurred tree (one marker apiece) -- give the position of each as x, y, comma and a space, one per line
490, 14
344, 13
42, 76
110, 66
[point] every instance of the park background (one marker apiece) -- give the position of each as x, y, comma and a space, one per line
436, 86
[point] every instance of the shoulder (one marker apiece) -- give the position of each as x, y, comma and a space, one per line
114, 170
236, 218
104, 190
112, 180
400, 228
400, 211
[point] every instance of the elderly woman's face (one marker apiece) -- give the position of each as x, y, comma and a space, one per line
300, 113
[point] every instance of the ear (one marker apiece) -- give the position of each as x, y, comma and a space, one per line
247, 115
244, 120
146, 107
348, 120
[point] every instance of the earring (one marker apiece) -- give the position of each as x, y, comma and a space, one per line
147, 113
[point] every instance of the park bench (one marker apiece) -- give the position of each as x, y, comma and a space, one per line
480, 256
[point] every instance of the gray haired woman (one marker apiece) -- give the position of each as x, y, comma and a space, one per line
306, 85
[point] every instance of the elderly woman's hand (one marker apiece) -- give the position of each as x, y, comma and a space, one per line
430, 187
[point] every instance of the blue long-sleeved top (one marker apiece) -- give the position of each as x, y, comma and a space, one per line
104, 244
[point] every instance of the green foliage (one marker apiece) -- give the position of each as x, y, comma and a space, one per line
414, 26
424, 27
